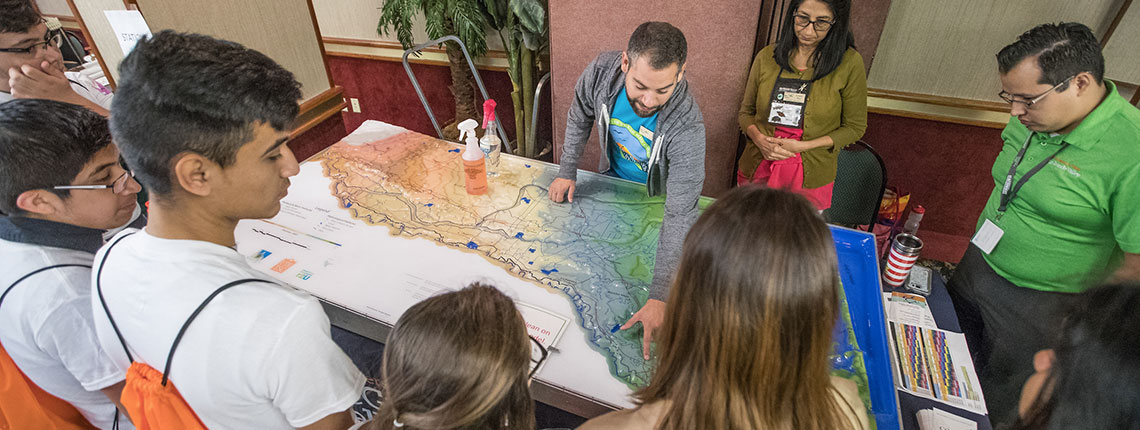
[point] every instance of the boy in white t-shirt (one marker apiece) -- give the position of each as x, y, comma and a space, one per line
62, 187
203, 124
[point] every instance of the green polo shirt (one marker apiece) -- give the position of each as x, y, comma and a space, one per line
1068, 227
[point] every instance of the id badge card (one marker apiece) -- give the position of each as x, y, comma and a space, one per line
785, 114
987, 237
788, 99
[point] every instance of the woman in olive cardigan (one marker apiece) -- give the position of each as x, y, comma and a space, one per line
816, 46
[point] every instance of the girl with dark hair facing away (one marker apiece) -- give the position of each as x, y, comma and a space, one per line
748, 325
458, 360
1090, 379
805, 100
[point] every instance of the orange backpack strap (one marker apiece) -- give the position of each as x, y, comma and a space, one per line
25, 404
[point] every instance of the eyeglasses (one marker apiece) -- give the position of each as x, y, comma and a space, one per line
819, 24
1033, 100
537, 363
50, 38
116, 187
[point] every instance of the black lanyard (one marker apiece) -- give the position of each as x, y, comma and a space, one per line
789, 85
1008, 194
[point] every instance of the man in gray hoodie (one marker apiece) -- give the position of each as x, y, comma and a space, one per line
651, 131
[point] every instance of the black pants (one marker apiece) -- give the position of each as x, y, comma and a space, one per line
1005, 325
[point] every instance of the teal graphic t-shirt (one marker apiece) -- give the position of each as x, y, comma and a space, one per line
631, 141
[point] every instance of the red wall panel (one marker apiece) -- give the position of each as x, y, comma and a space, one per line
945, 167
321, 136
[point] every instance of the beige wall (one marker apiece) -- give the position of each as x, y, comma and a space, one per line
281, 29
99, 30
356, 19
54, 7
1121, 54
720, 35
948, 48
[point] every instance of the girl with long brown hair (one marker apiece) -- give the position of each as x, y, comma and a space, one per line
748, 325
458, 360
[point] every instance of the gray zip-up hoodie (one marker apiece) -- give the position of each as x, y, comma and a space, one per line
676, 163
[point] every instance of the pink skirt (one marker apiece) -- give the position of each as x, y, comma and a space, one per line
788, 174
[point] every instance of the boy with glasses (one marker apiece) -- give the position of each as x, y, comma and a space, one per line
31, 65
62, 187
1064, 213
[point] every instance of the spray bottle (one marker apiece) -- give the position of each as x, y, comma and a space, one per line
474, 166
490, 143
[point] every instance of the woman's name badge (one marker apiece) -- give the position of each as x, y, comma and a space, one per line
793, 97
987, 237
785, 114
788, 99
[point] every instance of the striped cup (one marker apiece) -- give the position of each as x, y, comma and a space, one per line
904, 252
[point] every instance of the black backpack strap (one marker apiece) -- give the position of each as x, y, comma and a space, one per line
102, 301
42, 269
115, 423
182, 331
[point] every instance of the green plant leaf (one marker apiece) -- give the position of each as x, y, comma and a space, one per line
397, 15
497, 11
533, 41
470, 25
531, 13
435, 18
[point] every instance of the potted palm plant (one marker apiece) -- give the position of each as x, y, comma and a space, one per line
464, 18
520, 24
522, 27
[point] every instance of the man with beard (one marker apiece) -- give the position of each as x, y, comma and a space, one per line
651, 131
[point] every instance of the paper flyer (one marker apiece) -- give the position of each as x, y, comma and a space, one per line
936, 364
908, 309
937, 419
544, 326
129, 27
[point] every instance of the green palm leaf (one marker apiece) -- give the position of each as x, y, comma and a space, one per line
470, 25
397, 15
435, 18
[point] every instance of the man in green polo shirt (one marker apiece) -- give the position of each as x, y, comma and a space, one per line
1064, 214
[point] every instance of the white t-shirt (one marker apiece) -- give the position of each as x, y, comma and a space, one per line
46, 327
83, 86
90, 90
258, 356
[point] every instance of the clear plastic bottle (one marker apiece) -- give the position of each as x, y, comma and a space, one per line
490, 143
912, 221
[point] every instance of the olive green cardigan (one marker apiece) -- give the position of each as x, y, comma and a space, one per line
836, 107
